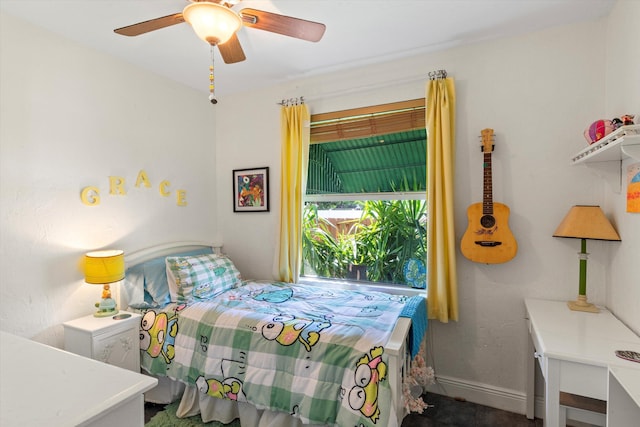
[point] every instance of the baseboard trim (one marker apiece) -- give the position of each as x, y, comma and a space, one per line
483, 394
503, 398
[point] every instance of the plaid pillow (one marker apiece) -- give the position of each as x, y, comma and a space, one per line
146, 285
200, 277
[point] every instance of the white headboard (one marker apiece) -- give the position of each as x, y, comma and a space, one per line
164, 249
142, 255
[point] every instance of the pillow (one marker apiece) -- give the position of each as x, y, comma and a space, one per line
145, 284
200, 277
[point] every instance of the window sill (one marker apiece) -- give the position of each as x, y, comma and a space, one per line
369, 286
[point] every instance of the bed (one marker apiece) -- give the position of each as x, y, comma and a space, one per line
268, 353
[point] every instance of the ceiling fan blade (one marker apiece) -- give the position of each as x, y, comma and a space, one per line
231, 51
285, 25
150, 25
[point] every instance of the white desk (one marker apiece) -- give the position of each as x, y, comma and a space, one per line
624, 395
45, 386
574, 350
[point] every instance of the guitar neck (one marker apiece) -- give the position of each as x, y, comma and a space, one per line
487, 199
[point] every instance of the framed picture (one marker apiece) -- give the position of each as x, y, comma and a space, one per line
251, 190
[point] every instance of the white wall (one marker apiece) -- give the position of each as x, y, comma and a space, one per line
622, 97
70, 118
538, 92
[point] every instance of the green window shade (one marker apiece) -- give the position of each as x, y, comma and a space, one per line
377, 149
384, 163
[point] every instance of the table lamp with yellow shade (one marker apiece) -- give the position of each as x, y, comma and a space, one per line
585, 222
104, 268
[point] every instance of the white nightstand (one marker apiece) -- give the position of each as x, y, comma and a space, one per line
114, 340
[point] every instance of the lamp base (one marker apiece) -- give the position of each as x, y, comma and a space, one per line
581, 304
105, 313
106, 307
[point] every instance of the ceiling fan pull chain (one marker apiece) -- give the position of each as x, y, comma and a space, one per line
212, 87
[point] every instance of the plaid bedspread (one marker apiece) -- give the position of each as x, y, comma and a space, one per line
312, 352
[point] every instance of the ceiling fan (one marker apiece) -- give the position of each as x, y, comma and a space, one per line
216, 23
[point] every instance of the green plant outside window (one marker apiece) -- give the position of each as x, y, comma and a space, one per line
379, 245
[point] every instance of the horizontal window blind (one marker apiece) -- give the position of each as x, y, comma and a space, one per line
368, 121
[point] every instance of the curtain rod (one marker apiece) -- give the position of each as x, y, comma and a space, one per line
291, 101
437, 74
432, 75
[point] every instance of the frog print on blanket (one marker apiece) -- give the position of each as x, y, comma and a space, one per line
229, 388
158, 334
370, 371
274, 297
287, 329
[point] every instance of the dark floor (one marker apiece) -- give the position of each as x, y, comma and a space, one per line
445, 412
449, 412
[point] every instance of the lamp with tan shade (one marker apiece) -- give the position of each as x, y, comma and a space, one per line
585, 222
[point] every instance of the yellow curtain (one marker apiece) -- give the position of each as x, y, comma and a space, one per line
295, 131
442, 301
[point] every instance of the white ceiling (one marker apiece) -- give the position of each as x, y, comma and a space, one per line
359, 32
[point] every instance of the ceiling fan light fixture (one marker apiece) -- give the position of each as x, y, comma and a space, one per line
212, 22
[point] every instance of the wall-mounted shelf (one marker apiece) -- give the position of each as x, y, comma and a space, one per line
623, 143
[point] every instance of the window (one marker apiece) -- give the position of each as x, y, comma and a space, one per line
365, 210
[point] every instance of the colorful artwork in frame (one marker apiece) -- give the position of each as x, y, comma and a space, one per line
251, 190
633, 188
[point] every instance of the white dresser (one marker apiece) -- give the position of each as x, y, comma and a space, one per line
45, 386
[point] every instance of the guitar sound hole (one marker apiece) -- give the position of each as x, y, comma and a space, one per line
487, 221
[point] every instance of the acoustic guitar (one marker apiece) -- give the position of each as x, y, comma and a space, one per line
488, 238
